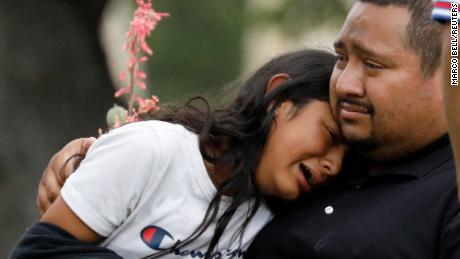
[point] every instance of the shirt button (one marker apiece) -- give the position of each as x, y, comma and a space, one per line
329, 210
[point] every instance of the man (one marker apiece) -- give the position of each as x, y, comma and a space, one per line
386, 94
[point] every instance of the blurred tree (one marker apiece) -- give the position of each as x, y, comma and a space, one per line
298, 16
198, 48
54, 86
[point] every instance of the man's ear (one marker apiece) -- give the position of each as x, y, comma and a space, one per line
276, 81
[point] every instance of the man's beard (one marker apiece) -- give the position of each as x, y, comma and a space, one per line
365, 146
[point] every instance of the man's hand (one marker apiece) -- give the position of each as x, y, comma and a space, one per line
60, 167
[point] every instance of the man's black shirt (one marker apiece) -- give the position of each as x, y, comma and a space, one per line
405, 210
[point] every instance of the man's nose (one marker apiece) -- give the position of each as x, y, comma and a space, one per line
350, 82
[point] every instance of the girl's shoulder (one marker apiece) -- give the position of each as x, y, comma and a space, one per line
163, 130
150, 134
163, 139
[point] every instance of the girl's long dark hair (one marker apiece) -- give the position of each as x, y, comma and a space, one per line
244, 127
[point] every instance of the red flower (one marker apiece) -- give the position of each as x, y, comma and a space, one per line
144, 22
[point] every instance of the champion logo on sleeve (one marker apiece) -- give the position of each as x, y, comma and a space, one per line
153, 236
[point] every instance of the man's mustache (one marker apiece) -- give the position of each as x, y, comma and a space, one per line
365, 106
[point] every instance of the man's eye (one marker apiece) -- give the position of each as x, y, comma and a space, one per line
341, 61
340, 57
373, 65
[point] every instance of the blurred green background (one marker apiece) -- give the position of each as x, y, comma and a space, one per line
59, 58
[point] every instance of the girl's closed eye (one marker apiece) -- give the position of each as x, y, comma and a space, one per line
333, 134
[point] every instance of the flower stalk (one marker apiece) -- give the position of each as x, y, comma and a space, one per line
144, 22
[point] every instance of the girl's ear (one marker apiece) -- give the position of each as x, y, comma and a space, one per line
276, 81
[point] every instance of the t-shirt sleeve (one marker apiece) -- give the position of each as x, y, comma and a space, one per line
111, 179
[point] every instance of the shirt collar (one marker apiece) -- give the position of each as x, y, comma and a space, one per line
419, 163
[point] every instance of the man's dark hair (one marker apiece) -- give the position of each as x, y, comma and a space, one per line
423, 34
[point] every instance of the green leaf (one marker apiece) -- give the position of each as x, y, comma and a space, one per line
116, 115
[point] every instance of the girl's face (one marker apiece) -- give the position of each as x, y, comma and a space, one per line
304, 149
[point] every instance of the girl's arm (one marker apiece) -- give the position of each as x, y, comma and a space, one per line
44, 240
61, 215
106, 187
61, 234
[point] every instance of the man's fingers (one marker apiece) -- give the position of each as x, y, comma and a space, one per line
86, 143
60, 167
43, 203
51, 185
48, 188
77, 146
68, 158
69, 166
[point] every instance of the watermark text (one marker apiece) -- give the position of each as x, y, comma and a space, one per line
454, 44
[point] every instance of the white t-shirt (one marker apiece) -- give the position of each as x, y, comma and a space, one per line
144, 186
